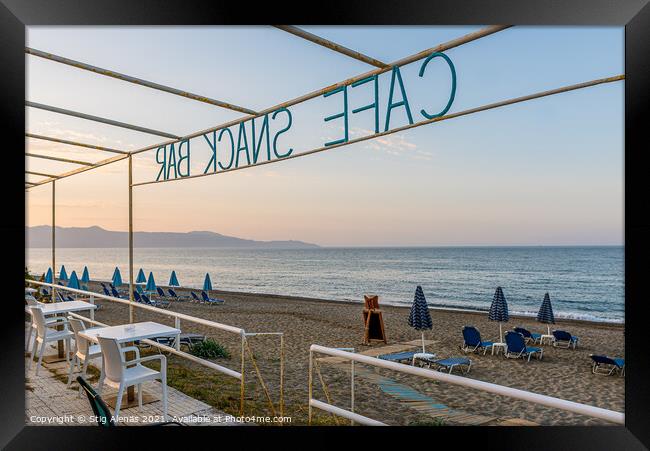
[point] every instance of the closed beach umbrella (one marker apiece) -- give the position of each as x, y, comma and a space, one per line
48, 276
499, 310
74, 280
117, 277
173, 280
85, 277
545, 314
419, 318
207, 283
62, 274
141, 277
151, 284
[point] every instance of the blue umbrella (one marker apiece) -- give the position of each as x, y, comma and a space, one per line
499, 310
85, 277
173, 280
545, 314
207, 284
48, 276
117, 277
62, 274
419, 318
151, 284
74, 281
141, 277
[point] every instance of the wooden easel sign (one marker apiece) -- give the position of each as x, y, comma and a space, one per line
373, 320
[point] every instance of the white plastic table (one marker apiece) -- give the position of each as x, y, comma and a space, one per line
55, 308
550, 338
58, 308
498, 346
131, 332
128, 333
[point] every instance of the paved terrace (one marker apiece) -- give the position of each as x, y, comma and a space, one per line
48, 397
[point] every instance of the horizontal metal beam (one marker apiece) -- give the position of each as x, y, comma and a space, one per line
100, 119
73, 143
79, 170
406, 127
331, 45
31, 183
137, 81
41, 174
65, 160
487, 31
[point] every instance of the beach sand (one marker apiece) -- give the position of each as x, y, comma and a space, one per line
563, 373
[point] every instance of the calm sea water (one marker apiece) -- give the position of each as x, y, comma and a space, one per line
583, 282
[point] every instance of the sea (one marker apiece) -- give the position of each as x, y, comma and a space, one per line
583, 282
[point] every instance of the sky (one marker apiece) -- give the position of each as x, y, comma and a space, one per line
544, 172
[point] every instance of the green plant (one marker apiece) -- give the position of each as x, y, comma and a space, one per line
209, 349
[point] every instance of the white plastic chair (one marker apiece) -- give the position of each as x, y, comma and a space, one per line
119, 373
31, 330
44, 335
84, 350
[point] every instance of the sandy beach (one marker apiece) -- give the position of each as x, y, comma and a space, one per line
563, 373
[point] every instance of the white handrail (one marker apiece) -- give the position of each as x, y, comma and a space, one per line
549, 401
345, 413
205, 322
171, 350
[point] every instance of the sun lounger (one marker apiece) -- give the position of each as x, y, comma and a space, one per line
146, 300
563, 339
160, 292
472, 340
607, 365
398, 357
176, 297
516, 347
210, 300
444, 364
195, 298
528, 335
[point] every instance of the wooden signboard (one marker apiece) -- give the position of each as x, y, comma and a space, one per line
373, 320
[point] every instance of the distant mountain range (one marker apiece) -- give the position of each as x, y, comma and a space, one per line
86, 237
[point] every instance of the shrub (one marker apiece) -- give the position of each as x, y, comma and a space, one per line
209, 349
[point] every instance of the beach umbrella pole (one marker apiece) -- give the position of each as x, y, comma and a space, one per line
423, 351
500, 332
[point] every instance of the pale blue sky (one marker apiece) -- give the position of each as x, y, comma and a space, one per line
549, 171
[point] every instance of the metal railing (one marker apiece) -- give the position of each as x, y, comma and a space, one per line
245, 346
549, 401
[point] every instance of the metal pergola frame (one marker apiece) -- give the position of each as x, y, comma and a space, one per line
379, 68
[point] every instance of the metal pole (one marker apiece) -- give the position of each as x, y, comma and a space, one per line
282, 376
64, 160
74, 143
53, 240
311, 356
331, 45
241, 381
352, 390
131, 300
103, 120
137, 81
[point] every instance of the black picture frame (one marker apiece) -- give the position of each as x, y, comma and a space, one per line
633, 14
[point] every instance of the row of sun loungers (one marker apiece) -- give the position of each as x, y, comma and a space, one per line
162, 297
516, 347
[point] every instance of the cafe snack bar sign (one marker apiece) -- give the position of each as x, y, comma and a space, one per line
267, 137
